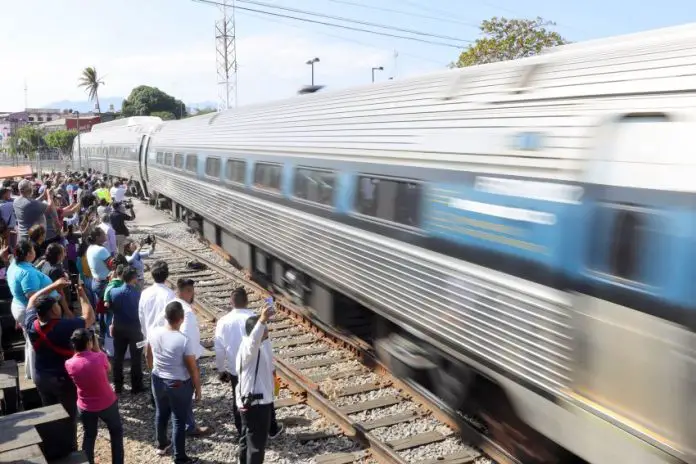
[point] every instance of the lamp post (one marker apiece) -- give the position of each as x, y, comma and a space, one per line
381, 68
311, 63
79, 148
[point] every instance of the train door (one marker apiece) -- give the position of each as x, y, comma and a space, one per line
634, 359
142, 162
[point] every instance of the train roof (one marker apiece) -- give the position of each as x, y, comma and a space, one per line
459, 119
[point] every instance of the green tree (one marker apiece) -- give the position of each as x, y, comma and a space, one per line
164, 115
91, 82
29, 139
62, 140
145, 100
508, 39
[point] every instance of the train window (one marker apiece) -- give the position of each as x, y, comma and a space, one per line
179, 161
391, 200
168, 159
191, 163
235, 171
315, 185
267, 175
625, 241
212, 167
160, 157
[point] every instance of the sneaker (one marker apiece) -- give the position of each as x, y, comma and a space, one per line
278, 431
164, 451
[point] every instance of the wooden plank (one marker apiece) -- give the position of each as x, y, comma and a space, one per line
337, 375
371, 404
36, 417
9, 385
316, 363
295, 341
28, 455
13, 437
355, 389
289, 401
390, 420
286, 324
310, 436
304, 352
461, 457
415, 441
337, 458
285, 333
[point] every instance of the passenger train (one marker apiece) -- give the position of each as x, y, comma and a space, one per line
523, 231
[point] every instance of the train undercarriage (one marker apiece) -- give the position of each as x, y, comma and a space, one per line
473, 398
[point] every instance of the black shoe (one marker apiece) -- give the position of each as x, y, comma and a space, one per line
137, 390
276, 432
188, 460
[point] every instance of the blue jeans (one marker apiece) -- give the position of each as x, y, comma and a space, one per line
98, 289
172, 398
190, 420
90, 423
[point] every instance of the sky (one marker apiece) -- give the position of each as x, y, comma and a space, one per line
170, 44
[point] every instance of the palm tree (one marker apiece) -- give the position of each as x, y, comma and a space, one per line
91, 82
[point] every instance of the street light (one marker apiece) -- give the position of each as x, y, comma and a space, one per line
311, 63
381, 68
79, 149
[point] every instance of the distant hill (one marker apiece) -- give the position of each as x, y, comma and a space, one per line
86, 106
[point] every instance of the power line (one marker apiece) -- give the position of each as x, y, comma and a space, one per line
350, 20
406, 13
346, 39
351, 28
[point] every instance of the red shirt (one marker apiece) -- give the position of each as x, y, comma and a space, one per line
89, 372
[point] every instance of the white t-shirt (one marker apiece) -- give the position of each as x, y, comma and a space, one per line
118, 193
168, 350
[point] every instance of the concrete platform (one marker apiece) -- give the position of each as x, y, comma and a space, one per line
148, 216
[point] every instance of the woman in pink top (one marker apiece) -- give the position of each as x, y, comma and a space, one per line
89, 369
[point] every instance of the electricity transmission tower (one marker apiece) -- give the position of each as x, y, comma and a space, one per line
226, 56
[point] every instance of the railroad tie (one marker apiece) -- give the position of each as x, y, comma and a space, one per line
415, 441
371, 404
462, 457
338, 458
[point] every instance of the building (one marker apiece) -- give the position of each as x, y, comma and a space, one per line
39, 115
70, 122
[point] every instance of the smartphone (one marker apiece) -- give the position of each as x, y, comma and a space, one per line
269, 301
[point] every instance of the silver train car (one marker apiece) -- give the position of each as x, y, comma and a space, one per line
520, 236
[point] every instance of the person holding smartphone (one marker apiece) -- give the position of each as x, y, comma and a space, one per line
254, 393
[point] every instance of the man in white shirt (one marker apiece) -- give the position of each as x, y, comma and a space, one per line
110, 234
229, 331
154, 299
118, 192
185, 295
254, 392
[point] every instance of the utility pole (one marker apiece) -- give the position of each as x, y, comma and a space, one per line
79, 149
311, 63
226, 56
26, 95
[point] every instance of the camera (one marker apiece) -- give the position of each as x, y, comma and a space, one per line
250, 398
148, 240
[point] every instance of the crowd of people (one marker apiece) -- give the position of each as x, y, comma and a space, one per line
78, 285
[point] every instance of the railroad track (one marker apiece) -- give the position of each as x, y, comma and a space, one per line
338, 377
